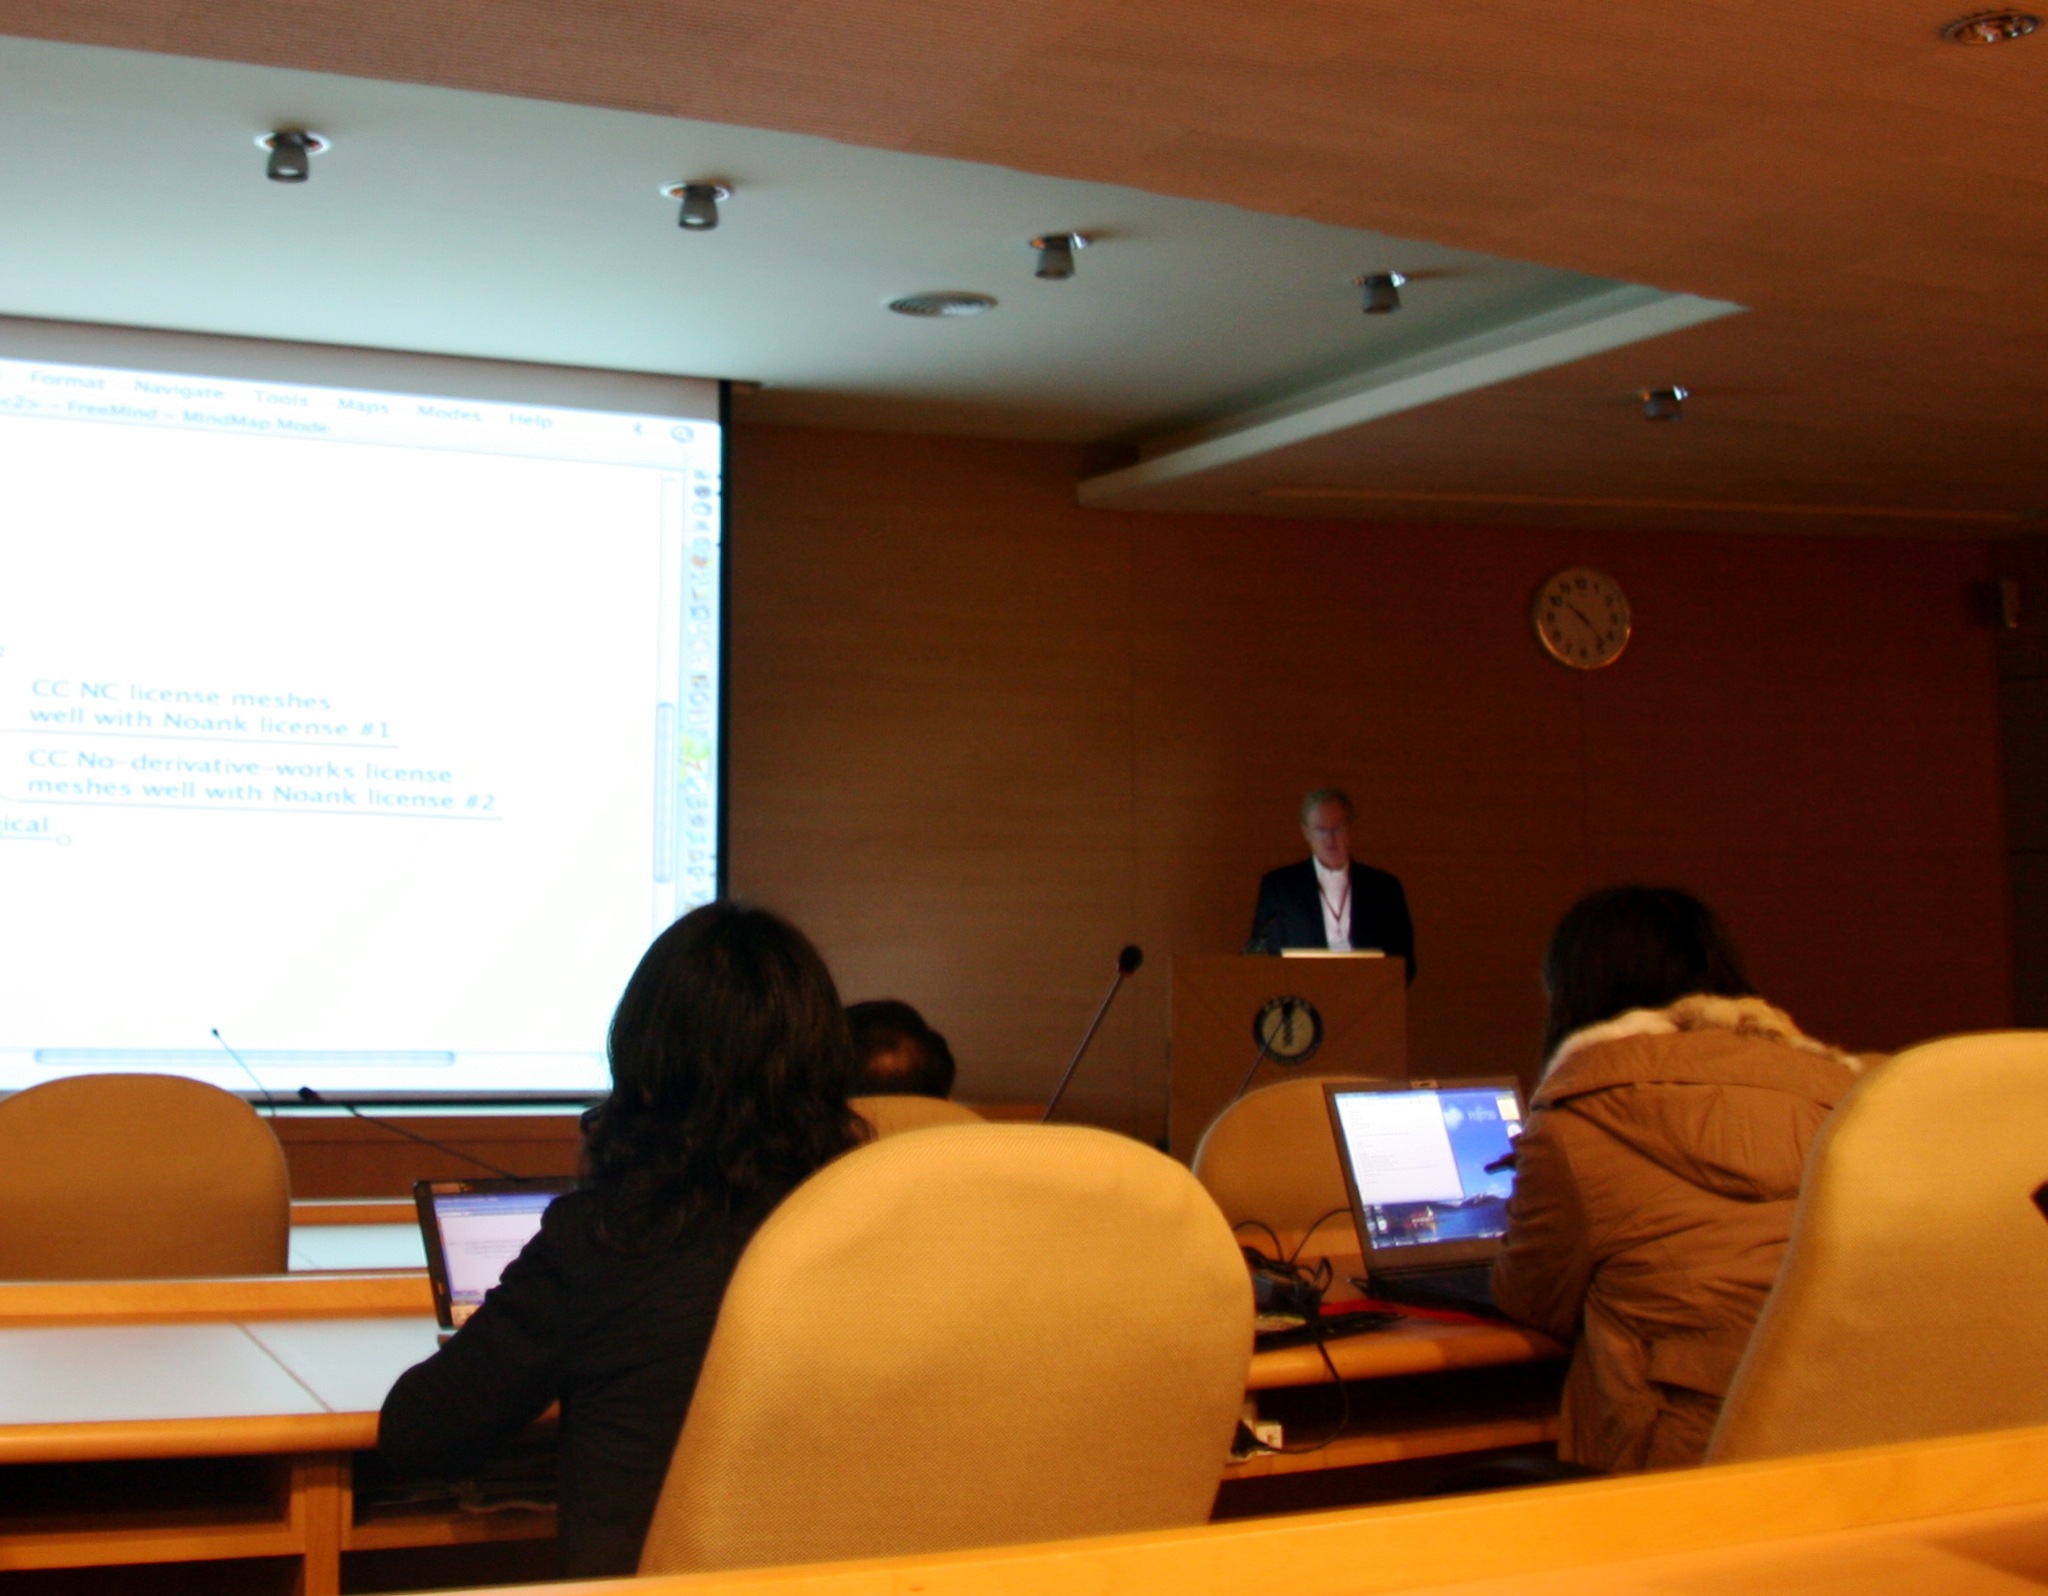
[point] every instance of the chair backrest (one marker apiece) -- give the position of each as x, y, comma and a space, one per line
1913, 1300
899, 1112
125, 1177
974, 1336
1271, 1156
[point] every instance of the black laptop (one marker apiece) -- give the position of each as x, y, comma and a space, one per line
471, 1229
1430, 1213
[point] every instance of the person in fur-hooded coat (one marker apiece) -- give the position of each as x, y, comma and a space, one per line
1656, 1182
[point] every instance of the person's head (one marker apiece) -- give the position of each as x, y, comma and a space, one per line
1326, 822
731, 1066
1625, 948
897, 1053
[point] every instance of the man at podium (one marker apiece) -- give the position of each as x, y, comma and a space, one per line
1328, 901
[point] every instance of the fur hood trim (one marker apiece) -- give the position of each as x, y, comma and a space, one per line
1748, 1016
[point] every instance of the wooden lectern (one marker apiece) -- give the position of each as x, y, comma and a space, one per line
1356, 1009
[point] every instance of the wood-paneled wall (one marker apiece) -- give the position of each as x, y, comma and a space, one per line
981, 738
2023, 717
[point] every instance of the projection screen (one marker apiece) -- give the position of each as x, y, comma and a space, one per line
364, 708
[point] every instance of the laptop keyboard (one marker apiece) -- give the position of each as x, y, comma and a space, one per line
1467, 1289
1475, 1283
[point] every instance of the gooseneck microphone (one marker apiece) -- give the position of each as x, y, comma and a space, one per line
1289, 1008
1265, 937
1127, 963
269, 1102
1265, 1052
308, 1095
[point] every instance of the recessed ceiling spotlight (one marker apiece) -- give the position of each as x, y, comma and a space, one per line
1664, 404
1056, 255
1990, 27
1382, 291
701, 198
944, 302
291, 153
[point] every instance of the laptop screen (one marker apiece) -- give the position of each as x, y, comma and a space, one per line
1417, 1158
478, 1228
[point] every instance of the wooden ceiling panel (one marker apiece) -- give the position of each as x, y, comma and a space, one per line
1759, 429
1865, 188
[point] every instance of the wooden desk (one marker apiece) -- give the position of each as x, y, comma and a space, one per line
331, 1235
289, 1372
1414, 1346
1440, 1388
285, 1374
1961, 1517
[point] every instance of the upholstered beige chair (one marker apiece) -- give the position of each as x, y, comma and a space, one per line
122, 1177
1272, 1157
1914, 1297
974, 1336
895, 1113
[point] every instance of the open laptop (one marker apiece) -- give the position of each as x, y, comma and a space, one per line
1430, 1214
472, 1229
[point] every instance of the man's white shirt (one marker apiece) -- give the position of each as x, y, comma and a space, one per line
1334, 888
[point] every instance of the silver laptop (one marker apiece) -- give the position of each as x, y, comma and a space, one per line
1430, 1209
472, 1229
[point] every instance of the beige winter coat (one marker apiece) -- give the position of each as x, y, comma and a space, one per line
1654, 1192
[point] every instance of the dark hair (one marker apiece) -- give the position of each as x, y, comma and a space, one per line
731, 1066
1625, 948
1316, 797
898, 1054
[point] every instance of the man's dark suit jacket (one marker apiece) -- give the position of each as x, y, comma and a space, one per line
1290, 912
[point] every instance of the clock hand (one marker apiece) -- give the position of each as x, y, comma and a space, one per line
1581, 614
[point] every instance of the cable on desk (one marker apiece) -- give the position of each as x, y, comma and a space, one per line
1272, 1235
1334, 1213
1343, 1409
1317, 1278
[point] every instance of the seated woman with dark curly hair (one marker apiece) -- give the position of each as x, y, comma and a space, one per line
730, 1065
1655, 1185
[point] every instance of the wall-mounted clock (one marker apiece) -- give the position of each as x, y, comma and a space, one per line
1581, 618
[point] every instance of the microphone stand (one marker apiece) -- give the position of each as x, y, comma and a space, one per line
1127, 963
269, 1102
1265, 1052
308, 1095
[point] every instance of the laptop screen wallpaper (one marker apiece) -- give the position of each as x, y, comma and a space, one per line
1419, 1160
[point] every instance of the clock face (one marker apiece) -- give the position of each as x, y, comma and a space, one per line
1581, 618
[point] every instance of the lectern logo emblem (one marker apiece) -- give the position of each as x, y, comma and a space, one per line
1288, 1029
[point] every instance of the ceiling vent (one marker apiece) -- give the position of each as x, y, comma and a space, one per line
945, 303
